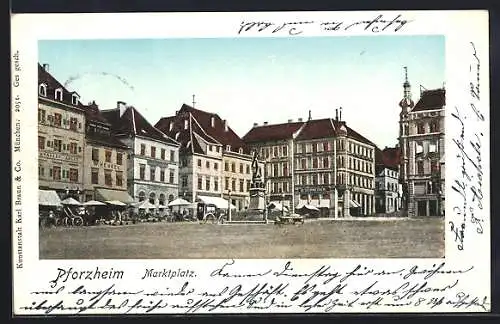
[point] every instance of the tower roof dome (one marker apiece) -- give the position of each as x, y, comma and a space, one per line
406, 103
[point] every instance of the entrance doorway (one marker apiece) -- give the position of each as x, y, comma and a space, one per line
422, 208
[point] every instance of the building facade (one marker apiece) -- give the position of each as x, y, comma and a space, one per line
61, 137
322, 163
105, 160
214, 161
423, 151
153, 163
388, 190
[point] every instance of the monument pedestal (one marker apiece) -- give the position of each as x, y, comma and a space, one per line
257, 199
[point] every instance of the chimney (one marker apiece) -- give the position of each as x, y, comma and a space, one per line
122, 106
265, 123
171, 126
336, 114
46, 67
225, 126
340, 115
300, 120
176, 112
255, 124
309, 115
290, 120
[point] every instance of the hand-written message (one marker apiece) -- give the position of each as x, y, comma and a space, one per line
468, 145
374, 24
278, 289
16, 158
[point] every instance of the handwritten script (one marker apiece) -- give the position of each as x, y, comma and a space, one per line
278, 289
375, 24
468, 143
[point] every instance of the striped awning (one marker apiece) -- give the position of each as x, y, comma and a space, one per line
113, 195
48, 198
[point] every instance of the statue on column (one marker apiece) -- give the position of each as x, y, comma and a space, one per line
257, 190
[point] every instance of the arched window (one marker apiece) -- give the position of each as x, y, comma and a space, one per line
142, 196
161, 200
152, 197
42, 90
170, 198
58, 94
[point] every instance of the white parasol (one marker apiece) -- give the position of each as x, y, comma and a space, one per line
179, 202
116, 203
145, 205
93, 203
71, 201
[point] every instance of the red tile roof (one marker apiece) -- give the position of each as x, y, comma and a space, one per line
317, 128
133, 123
200, 123
268, 133
389, 157
430, 100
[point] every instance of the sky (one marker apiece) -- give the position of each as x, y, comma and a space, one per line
254, 80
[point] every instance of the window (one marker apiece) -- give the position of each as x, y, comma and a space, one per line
142, 171
41, 171
303, 180
73, 175
184, 181
432, 147
74, 99
216, 166
285, 151
212, 121
73, 148
240, 150
152, 173
41, 116
210, 148
162, 175
41, 142
162, 154
242, 184
218, 149
233, 167
200, 182
171, 176
143, 149
241, 168
184, 162
303, 148
248, 169
216, 184
56, 173
326, 163
95, 154
434, 127
275, 170
161, 200
419, 148
434, 166
233, 185
248, 185
326, 178
95, 176
207, 164
420, 167
152, 198
226, 166
314, 179
228, 147
275, 187
432, 187
315, 163
153, 152
57, 145
73, 123
142, 196
119, 179
119, 158
207, 183
57, 119
275, 151
326, 146
107, 178
199, 163
420, 128
186, 124
107, 155
42, 90
303, 164
406, 130
226, 184
285, 169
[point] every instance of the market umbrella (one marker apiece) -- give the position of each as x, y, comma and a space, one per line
93, 203
145, 205
179, 202
116, 203
71, 201
277, 206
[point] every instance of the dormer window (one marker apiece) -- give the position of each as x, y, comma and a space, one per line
186, 124
74, 99
240, 150
212, 121
59, 94
171, 126
228, 147
42, 90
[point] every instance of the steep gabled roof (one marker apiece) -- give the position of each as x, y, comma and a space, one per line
389, 157
317, 128
430, 100
174, 127
52, 85
275, 132
131, 122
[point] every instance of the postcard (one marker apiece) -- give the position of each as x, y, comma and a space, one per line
252, 162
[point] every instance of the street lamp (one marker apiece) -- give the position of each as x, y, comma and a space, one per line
282, 205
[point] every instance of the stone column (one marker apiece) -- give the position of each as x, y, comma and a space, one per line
347, 198
335, 203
